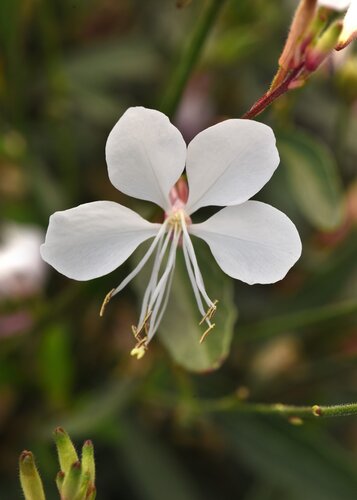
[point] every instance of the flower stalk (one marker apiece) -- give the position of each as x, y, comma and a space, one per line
234, 404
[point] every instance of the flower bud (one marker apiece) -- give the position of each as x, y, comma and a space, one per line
59, 480
303, 16
29, 477
316, 54
71, 482
67, 454
349, 31
88, 464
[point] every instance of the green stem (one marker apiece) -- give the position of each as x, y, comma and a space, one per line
190, 57
302, 319
234, 404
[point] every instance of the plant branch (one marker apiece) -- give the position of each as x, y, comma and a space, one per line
233, 404
190, 57
269, 97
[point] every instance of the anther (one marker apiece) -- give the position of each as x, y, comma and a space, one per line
204, 335
141, 346
105, 302
210, 313
138, 351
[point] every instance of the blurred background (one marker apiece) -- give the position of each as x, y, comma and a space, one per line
68, 70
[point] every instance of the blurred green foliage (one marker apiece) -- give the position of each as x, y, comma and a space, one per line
68, 69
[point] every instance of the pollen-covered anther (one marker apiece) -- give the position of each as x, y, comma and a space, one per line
142, 340
139, 351
105, 302
141, 347
210, 312
204, 335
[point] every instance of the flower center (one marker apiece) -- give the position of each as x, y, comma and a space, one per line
172, 234
176, 216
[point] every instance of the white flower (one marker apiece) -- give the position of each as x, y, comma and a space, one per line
338, 5
225, 164
349, 29
22, 272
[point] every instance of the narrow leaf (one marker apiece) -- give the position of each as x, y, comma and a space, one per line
313, 178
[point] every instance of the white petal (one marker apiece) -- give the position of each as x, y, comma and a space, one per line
335, 4
253, 242
145, 154
230, 162
93, 239
349, 30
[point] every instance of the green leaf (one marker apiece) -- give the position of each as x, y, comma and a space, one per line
155, 472
313, 178
180, 331
302, 460
95, 410
101, 64
56, 365
228, 47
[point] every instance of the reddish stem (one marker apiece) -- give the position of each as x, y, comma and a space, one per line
261, 104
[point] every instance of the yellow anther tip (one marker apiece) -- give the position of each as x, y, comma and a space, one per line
139, 352
105, 302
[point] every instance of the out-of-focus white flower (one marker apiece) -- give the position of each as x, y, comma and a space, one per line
225, 164
22, 271
339, 5
349, 30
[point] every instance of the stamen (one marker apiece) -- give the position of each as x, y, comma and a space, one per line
210, 312
144, 260
105, 301
166, 300
192, 279
204, 335
192, 255
141, 345
144, 325
154, 275
170, 262
159, 292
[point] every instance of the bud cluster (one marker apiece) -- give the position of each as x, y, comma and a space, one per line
312, 38
314, 34
76, 479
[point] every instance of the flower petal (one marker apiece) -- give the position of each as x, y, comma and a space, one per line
253, 242
338, 5
229, 162
145, 155
349, 30
93, 239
